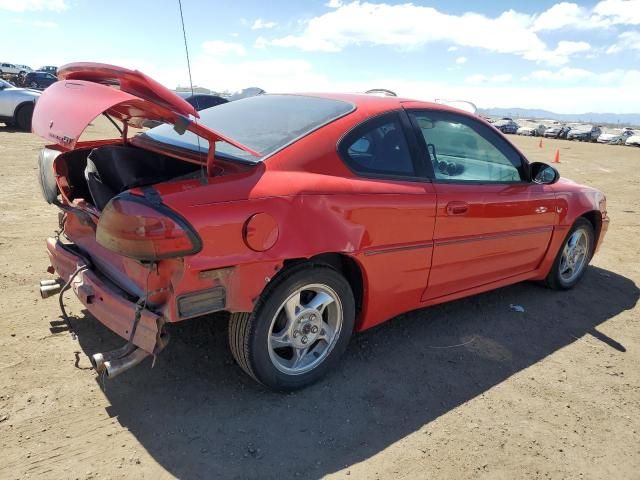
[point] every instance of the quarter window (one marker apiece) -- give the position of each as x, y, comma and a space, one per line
379, 147
462, 149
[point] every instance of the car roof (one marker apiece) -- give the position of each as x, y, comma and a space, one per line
375, 103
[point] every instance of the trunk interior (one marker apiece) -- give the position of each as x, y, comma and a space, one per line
96, 175
89, 178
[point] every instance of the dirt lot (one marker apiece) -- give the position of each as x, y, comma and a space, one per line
469, 389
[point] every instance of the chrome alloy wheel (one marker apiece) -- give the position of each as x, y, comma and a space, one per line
574, 256
305, 329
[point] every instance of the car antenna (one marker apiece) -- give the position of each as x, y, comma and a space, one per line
186, 49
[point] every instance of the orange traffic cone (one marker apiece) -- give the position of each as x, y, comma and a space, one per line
557, 157
540, 144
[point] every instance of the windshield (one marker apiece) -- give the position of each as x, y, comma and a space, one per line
4, 84
265, 123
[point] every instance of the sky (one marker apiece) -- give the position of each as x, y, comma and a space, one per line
561, 56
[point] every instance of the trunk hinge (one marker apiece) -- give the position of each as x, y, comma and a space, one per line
211, 157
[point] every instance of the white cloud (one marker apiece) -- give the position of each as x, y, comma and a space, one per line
403, 26
452, 48
461, 60
619, 12
565, 14
618, 78
604, 14
276, 75
565, 74
560, 55
260, 24
626, 41
33, 5
503, 77
261, 42
479, 78
611, 91
221, 48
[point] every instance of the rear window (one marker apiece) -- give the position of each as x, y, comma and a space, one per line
266, 123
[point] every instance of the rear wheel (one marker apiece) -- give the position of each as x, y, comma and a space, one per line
573, 257
23, 117
298, 330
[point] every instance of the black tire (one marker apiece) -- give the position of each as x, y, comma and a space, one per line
249, 332
554, 279
23, 117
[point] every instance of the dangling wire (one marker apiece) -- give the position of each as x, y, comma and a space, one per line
186, 49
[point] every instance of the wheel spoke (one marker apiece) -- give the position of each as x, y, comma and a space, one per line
291, 308
574, 239
565, 265
298, 356
281, 339
326, 333
320, 301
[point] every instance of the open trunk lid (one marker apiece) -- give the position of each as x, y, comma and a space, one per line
85, 90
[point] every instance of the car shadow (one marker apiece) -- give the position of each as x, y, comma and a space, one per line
199, 415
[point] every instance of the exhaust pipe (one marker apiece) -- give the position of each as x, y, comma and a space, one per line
48, 282
115, 367
98, 359
48, 290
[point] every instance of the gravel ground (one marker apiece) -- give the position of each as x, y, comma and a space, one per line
469, 389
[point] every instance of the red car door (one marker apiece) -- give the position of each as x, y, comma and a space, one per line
492, 223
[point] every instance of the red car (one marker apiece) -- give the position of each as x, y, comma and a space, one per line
306, 217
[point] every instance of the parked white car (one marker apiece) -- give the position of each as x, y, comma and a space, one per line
532, 129
616, 137
633, 140
11, 69
16, 105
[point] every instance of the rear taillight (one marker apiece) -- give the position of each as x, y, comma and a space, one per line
134, 227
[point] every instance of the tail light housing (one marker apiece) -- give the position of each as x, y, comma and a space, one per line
137, 228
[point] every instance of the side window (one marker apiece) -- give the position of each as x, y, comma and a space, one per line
462, 149
378, 147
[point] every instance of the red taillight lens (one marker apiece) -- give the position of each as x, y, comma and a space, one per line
133, 227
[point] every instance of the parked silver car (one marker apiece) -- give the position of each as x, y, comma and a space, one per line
633, 140
616, 137
16, 105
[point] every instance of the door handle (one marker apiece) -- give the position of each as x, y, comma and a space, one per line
457, 208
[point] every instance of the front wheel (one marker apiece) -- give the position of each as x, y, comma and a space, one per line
573, 257
298, 330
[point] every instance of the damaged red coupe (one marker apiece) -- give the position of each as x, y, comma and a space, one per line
306, 217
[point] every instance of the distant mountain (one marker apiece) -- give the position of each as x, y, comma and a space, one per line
623, 119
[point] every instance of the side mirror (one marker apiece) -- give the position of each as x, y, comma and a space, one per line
543, 174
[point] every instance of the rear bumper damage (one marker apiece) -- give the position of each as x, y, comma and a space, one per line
110, 307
